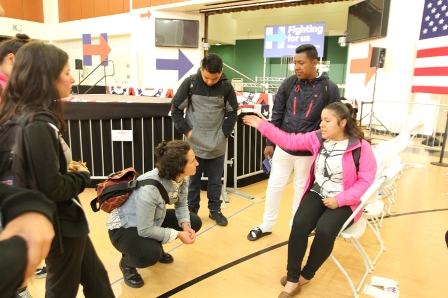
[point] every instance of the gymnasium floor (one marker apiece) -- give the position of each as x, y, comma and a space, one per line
223, 263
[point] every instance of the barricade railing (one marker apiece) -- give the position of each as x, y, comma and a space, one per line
92, 141
390, 118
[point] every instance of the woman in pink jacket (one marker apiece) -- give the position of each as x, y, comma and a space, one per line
333, 189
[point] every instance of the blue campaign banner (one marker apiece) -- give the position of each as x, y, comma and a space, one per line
284, 39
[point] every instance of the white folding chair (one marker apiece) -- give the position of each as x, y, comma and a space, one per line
374, 214
356, 230
413, 131
388, 189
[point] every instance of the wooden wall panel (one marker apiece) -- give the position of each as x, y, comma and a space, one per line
75, 10
115, 6
13, 8
33, 10
160, 2
176, 1
140, 3
87, 9
101, 8
64, 10
126, 6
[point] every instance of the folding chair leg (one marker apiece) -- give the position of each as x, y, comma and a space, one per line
380, 241
368, 264
352, 286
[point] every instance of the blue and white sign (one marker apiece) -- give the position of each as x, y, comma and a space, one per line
284, 39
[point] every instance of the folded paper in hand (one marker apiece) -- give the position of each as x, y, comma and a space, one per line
266, 165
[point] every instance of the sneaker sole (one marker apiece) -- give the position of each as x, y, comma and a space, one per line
132, 285
41, 276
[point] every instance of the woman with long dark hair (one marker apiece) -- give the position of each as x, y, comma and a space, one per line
333, 190
39, 79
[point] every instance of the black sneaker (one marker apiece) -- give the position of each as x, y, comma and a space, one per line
193, 209
221, 220
131, 276
166, 258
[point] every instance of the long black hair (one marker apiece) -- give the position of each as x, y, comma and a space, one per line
32, 85
342, 111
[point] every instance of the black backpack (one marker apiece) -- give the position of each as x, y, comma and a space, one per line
15, 161
325, 93
225, 85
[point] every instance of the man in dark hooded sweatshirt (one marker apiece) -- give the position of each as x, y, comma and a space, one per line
211, 112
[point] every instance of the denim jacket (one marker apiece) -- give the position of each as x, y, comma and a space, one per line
146, 209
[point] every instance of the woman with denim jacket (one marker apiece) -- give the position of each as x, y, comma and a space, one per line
143, 223
333, 190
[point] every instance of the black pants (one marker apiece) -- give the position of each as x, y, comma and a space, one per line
141, 252
79, 264
13, 261
312, 214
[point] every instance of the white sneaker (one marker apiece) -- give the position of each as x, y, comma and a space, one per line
41, 272
23, 293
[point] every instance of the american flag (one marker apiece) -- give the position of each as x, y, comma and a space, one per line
431, 63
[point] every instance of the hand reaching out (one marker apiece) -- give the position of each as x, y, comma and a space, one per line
251, 120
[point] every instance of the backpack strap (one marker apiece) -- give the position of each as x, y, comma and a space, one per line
356, 155
325, 92
225, 86
291, 82
192, 88
157, 184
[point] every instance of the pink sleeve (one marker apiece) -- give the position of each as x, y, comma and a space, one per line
287, 141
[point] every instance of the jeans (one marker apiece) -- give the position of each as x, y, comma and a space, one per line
214, 169
312, 214
141, 252
283, 164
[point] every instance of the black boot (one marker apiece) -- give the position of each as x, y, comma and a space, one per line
166, 258
131, 276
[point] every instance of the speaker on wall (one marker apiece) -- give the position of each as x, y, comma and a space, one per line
78, 64
378, 57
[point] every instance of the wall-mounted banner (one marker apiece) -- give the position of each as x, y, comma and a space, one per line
284, 39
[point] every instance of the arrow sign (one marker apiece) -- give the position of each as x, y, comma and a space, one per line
183, 65
363, 66
148, 14
279, 37
102, 49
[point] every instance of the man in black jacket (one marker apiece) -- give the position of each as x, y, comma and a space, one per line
26, 233
210, 118
299, 111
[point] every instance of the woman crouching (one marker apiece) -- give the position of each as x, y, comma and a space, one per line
143, 223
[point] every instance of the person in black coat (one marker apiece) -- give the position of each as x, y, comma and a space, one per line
26, 232
40, 78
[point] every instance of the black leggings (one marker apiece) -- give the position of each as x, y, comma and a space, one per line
141, 252
312, 214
